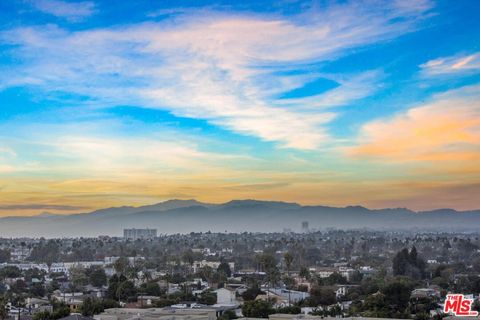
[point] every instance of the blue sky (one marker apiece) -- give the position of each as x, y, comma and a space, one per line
366, 102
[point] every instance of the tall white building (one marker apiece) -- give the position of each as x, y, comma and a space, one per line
305, 228
134, 234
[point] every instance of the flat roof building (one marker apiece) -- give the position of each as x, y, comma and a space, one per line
157, 314
135, 234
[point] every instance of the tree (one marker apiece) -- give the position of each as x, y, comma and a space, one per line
257, 309
375, 306
47, 252
37, 290
409, 264
320, 295
60, 310
335, 278
400, 262
225, 268
4, 256
151, 289
397, 294
3, 310
126, 291
10, 272
289, 310
413, 255
121, 265
330, 312
252, 292
288, 257
97, 276
267, 261
228, 315
42, 315
113, 284
188, 257
92, 306
304, 273
273, 276
78, 277
208, 298
206, 273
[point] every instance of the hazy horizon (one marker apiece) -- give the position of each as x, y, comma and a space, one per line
46, 212
319, 103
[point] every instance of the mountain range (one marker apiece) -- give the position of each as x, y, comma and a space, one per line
183, 216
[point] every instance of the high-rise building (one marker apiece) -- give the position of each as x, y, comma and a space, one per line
134, 234
305, 228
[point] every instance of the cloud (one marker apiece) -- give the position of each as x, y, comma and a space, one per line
351, 88
454, 65
4, 168
430, 195
72, 11
258, 186
40, 207
221, 67
6, 156
8, 152
98, 154
445, 131
131, 156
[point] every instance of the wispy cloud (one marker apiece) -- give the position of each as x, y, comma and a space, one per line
72, 11
7, 151
454, 65
38, 206
70, 151
445, 131
219, 67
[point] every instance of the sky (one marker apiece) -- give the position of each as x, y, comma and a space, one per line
373, 103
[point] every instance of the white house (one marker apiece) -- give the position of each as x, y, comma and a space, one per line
197, 265
225, 296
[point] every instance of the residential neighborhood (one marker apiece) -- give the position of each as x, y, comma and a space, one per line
336, 273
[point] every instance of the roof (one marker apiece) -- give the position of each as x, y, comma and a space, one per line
76, 317
225, 288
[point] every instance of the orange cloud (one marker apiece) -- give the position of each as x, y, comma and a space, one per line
444, 131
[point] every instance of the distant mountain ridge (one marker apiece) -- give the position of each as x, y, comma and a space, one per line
182, 216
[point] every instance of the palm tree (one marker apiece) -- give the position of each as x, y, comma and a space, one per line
288, 263
288, 257
3, 310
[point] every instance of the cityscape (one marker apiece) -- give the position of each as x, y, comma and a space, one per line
287, 275
250, 160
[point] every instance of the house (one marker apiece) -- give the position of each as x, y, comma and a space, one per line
342, 290
76, 317
226, 296
291, 296
423, 293
19, 254
239, 288
367, 271
278, 301
323, 272
73, 300
147, 300
158, 313
346, 272
197, 265
36, 305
